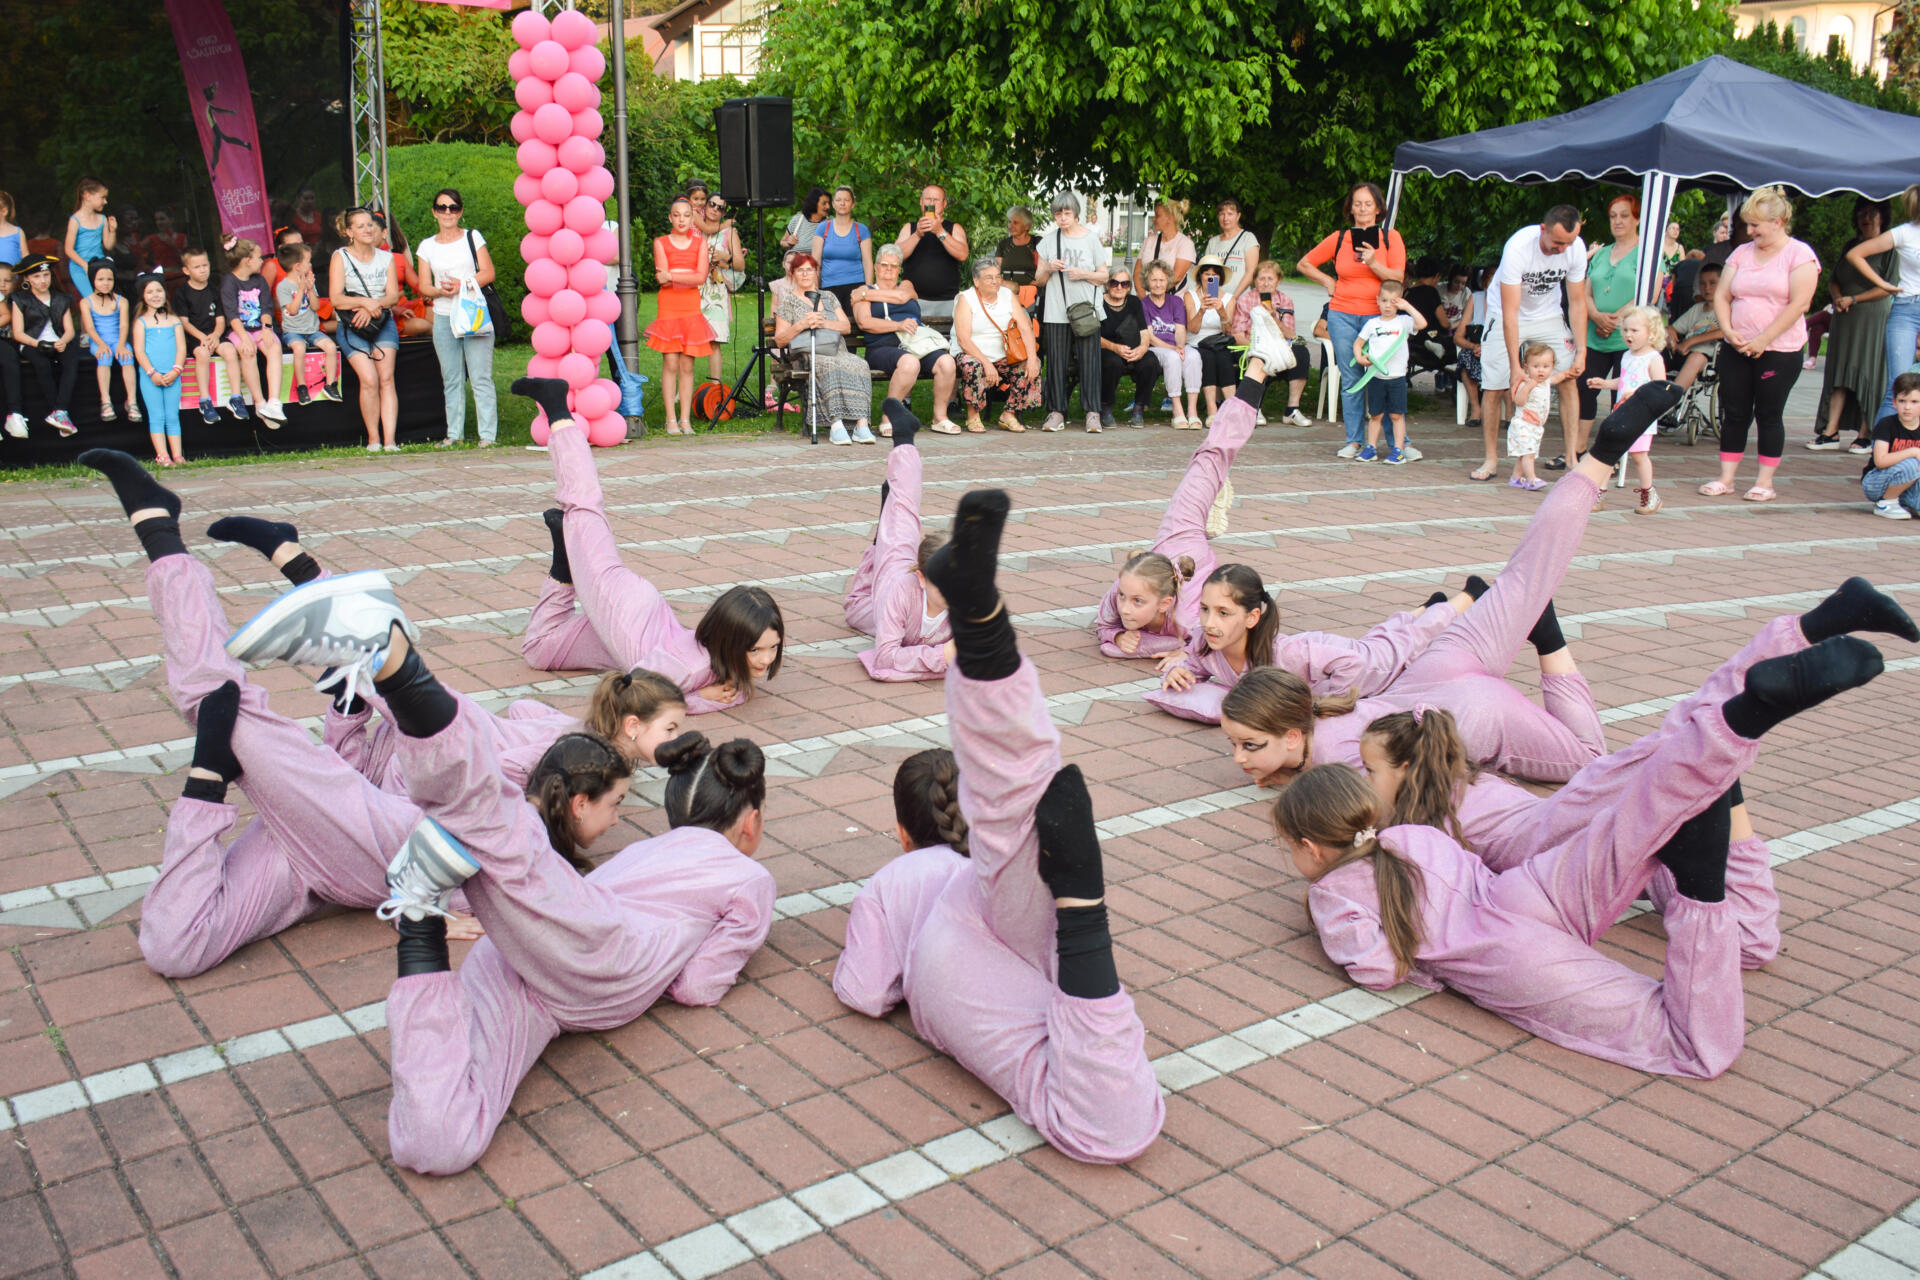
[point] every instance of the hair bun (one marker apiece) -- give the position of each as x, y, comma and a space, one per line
739, 762
1186, 567
683, 754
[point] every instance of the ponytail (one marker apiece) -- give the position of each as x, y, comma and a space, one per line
1333, 807
711, 786
577, 764
638, 692
1426, 742
926, 800
1245, 589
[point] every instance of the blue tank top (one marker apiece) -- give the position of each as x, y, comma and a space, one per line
13, 246
106, 323
840, 255
89, 242
159, 341
895, 311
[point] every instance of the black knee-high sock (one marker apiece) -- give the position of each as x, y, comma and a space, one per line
1785, 686
1438, 597
1546, 636
984, 644
559, 570
419, 704
549, 393
133, 484
1856, 606
1477, 586
1697, 852
1619, 429
1085, 947
901, 419
266, 537
160, 536
213, 722
1252, 390
423, 946
1736, 794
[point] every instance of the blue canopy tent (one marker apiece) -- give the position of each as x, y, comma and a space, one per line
1718, 125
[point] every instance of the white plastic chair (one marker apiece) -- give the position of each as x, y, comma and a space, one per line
1328, 406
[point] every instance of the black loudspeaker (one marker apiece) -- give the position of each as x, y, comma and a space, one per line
756, 151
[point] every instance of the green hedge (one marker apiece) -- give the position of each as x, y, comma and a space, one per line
484, 177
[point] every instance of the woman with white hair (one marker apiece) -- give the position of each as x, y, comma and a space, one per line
1071, 272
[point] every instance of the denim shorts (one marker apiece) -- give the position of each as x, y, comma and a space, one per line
355, 341
1387, 395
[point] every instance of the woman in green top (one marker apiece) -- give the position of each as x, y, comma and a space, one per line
1612, 270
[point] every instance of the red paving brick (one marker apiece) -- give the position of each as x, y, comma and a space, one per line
1436, 1140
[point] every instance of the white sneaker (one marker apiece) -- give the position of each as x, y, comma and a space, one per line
1217, 514
423, 875
340, 622
1259, 418
837, 433
862, 434
1349, 452
1093, 424
1055, 422
390, 448
373, 448
1411, 454
1295, 418
273, 412
16, 426
1268, 345
1890, 509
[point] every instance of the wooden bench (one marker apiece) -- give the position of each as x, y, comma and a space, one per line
788, 370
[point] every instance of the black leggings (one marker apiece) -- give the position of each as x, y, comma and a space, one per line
10, 377
1755, 388
1219, 366
43, 362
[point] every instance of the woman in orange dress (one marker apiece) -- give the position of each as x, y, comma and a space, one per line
679, 332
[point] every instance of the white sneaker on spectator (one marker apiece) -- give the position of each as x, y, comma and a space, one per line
1295, 418
1411, 454
373, 448
1349, 452
837, 433
1259, 418
1890, 509
1093, 424
16, 426
862, 434
391, 448
1055, 422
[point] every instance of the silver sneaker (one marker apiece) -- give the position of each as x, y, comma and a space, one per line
1055, 422
1348, 451
1093, 424
423, 875
339, 622
1411, 454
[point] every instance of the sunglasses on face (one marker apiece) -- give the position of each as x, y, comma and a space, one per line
446, 208
1119, 284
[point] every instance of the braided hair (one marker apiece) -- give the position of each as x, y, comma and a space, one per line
926, 800
577, 764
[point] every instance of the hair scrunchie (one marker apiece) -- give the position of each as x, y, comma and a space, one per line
1362, 836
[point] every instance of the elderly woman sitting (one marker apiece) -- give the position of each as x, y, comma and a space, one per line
809, 323
898, 344
1018, 260
998, 348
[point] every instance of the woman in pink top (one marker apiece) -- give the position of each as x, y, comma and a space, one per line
889, 597
1418, 764
1761, 305
676, 916
623, 621
1267, 295
1005, 959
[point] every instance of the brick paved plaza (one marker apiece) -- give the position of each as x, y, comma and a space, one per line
235, 1124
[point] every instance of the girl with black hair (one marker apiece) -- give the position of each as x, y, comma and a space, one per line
677, 915
623, 621
1005, 958
889, 596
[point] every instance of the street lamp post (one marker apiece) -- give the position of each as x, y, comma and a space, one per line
627, 331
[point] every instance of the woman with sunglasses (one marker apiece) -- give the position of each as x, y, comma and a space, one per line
1125, 351
447, 261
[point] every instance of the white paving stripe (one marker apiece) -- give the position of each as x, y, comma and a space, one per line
1891, 1251
57, 615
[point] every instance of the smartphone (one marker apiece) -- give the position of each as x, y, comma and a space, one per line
1266, 295
1369, 236
926, 208
1213, 287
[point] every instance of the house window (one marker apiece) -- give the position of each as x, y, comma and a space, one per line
727, 51
1799, 28
1841, 28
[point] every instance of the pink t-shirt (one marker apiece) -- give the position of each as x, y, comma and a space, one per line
1760, 292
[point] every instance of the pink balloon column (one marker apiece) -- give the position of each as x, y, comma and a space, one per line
564, 183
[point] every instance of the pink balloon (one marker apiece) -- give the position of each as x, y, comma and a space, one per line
559, 185
532, 247
552, 123
587, 124
584, 214
518, 65
542, 367
566, 307
533, 93
592, 337
596, 182
546, 277
564, 248
579, 154
536, 157
539, 429
573, 29
578, 369
533, 309
548, 60
604, 306
603, 245
589, 62
588, 278
575, 92
612, 389
521, 126
544, 218
594, 401
605, 433
526, 188
551, 339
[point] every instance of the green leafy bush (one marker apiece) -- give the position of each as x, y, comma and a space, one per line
484, 177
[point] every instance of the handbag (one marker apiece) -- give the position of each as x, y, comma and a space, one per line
470, 318
1082, 318
496, 309
714, 309
359, 321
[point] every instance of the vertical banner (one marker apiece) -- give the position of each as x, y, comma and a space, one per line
222, 107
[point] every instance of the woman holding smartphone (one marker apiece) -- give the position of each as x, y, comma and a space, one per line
1267, 295
1362, 254
1209, 310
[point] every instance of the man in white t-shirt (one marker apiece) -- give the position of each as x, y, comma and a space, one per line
1538, 265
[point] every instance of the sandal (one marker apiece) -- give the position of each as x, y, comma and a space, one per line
975, 426
1759, 493
943, 426
1715, 489
1008, 422
1559, 463
1483, 474
106, 411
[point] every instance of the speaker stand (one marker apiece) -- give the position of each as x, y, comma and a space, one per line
737, 406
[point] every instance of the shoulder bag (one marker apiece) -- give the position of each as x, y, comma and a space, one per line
360, 321
1082, 318
496, 309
